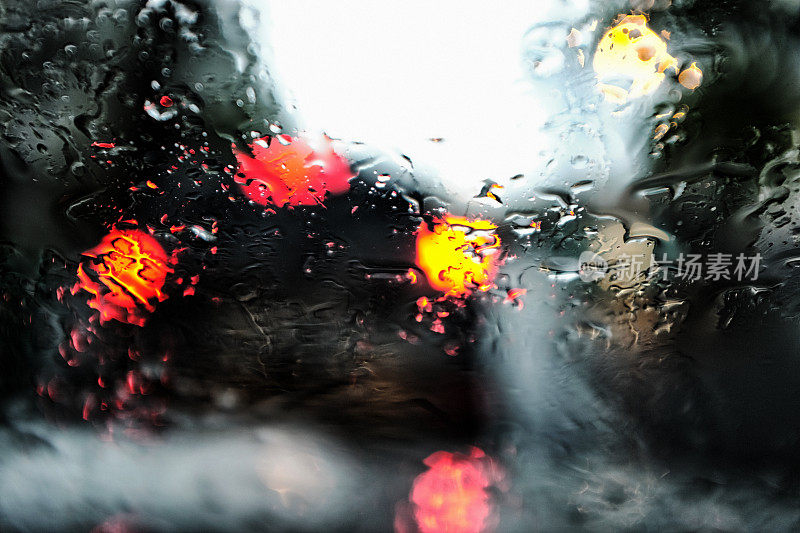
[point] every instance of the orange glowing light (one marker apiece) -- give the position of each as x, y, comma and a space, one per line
451, 495
459, 255
292, 171
631, 59
661, 130
691, 77
125, 274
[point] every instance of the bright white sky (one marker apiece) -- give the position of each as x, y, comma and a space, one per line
395, 74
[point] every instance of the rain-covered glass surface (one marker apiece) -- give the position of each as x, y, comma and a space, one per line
422, 267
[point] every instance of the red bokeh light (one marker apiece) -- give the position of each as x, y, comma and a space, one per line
292, 171
124, 275
451, 497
